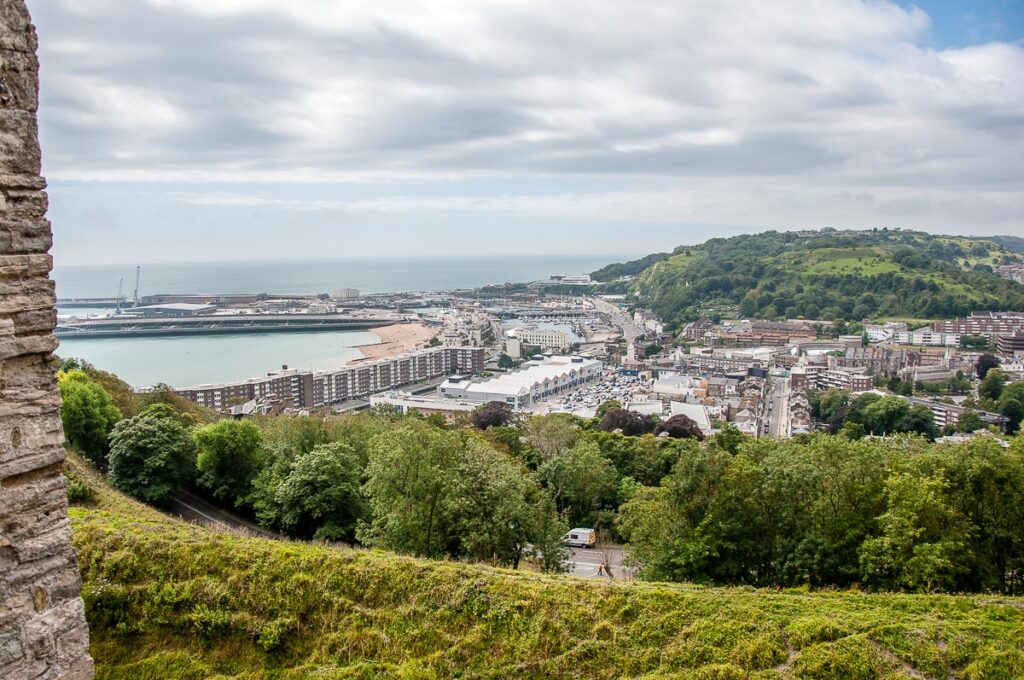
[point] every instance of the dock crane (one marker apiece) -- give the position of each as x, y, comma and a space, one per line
120, 292
135, 299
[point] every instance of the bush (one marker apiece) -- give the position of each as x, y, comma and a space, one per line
87, 414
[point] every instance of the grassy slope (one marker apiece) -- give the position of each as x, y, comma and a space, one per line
170, 600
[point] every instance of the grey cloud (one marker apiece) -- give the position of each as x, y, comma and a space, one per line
843, 96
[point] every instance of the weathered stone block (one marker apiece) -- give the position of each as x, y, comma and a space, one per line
19, 145
18, 86
25, 204
30, 236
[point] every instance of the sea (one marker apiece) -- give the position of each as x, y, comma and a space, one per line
195, 360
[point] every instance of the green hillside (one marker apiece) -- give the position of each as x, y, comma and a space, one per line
1014, 243
166, 599
831, 274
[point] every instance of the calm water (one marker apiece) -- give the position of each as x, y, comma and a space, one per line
376, 275
187, 361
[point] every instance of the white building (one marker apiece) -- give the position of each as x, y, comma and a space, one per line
345, 294
552, 340
531, 383
928, 338
679, 386
695, 412
403, 402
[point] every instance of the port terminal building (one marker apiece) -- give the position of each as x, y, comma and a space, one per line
531, 383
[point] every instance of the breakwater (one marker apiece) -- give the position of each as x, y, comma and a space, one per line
123, 327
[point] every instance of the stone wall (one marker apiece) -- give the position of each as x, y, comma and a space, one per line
42, 622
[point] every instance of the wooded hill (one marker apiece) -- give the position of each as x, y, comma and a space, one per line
827, 275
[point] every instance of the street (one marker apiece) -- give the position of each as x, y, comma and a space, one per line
584, 562
778, 413
195, 509
617, 317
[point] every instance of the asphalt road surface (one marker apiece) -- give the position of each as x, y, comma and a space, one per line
778, 423
618, 318
195, 509
584, 562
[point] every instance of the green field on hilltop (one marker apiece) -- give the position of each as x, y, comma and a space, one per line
166, 599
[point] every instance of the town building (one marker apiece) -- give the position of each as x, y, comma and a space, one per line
545, 338
824, 378
1011, 343
404, 402
306, 389
345, 294
928, 338
534, 381
987, 324
945, 414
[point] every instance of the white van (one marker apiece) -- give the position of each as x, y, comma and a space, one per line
580, 538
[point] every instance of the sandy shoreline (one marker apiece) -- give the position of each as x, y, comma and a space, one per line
395, 339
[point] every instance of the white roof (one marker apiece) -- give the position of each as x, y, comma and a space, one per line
179, 306
533, 373
695, 412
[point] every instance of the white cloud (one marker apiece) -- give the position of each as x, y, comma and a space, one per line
785, 111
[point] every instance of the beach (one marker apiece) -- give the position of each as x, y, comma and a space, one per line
396, 339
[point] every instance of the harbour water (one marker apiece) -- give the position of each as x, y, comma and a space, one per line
194, 360
187, 361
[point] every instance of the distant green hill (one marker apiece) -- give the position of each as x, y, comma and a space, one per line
1014, 243
170, 600
631, 268
831, 274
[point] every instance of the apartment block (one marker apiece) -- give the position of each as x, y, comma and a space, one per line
305, 389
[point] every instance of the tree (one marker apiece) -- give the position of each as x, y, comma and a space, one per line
922, 538
679, 427
550, 435
606, 406
414, 490
492, 414
581, 480
320, 498
969, 421
228, 457
985, 363
505, 361
151, 454
992, 384
630, 423
885, 415
1013, 411
435, 492
919, 420
87, 413
729, 438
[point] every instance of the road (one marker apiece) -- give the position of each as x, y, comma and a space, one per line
630, 331
584, 562
778, 415
195, 509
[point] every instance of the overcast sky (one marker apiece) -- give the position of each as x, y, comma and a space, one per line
253, 129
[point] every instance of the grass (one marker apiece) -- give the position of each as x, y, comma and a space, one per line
166, 599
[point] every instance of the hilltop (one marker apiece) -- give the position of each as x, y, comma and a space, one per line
166, 599
827, 274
